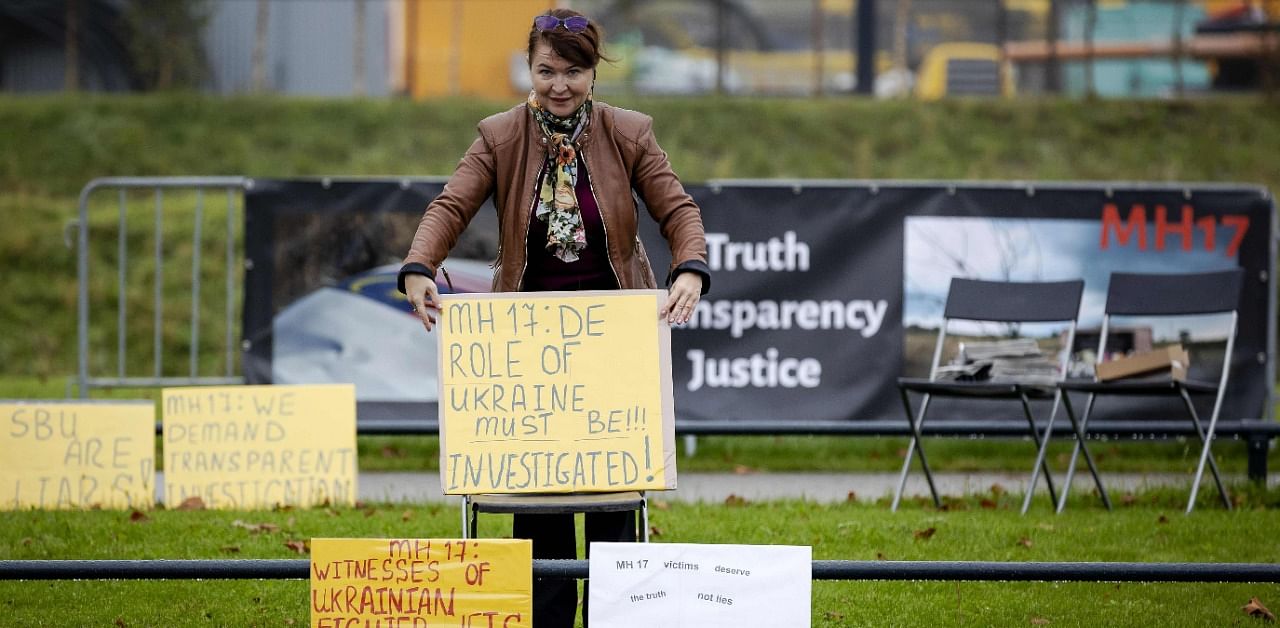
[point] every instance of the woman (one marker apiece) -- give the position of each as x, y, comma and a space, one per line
561, 169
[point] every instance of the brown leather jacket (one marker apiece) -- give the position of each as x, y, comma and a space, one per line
621, 155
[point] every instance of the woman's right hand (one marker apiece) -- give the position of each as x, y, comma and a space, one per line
423, 296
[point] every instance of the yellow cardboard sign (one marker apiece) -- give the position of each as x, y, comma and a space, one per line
260, 446
422, 583
77, 454
555, 392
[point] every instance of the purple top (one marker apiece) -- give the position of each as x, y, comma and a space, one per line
591, 271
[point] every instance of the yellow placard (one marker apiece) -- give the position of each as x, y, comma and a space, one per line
77, 454
260, 446
421, 583
555, 392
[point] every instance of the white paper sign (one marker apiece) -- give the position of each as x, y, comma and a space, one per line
679, 585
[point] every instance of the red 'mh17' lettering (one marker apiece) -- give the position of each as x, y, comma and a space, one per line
1183, 228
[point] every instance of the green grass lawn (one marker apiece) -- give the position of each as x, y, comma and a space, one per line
1149, 528
54, 145
775, 453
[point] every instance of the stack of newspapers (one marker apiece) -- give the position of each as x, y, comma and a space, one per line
1017, 360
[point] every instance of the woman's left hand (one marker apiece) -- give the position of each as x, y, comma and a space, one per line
682, 298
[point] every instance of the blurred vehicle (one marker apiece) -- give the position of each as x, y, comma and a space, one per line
962, 69
1250, 32
363, 331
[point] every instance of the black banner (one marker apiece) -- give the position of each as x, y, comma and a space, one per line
823, 293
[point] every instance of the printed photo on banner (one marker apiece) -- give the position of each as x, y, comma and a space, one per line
995, 249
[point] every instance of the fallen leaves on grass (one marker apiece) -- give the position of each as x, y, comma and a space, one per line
301, 547
1128, 499
926, 533
138, 516
369, 512
834, 616
851, 497
191, 503
1255, 609
120, 622
987, 504
735, 500
407, 515
255, 528
655, 531
1162, 519
26, 540
660, 504
998, 489
391, 451
742, 469
881, 556
1039, 621
1025, 542
230, 549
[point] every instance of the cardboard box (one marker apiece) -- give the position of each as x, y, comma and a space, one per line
1172, 361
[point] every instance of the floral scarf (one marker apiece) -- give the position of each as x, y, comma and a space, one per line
557, 199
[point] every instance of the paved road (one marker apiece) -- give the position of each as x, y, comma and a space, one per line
816, 487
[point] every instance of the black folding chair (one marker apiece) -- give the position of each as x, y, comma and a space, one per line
1164, 295
996, 302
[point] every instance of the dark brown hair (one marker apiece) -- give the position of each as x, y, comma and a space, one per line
581, 49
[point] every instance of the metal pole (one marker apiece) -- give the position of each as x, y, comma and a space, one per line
1258, 446
1002, 38
1052, 75
1179, 10
816, 29
159, 279
722, 36
865, 35
231, 283
196, 236
121, 301
82, 293
1269, 280
357, 53
1090, 28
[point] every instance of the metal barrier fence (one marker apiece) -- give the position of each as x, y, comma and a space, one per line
232, 186
285, 569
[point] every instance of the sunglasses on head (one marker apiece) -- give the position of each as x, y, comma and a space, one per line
574, 24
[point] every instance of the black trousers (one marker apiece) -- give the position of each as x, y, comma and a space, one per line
555, 602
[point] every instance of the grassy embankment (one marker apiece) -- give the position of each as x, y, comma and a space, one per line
52, 146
